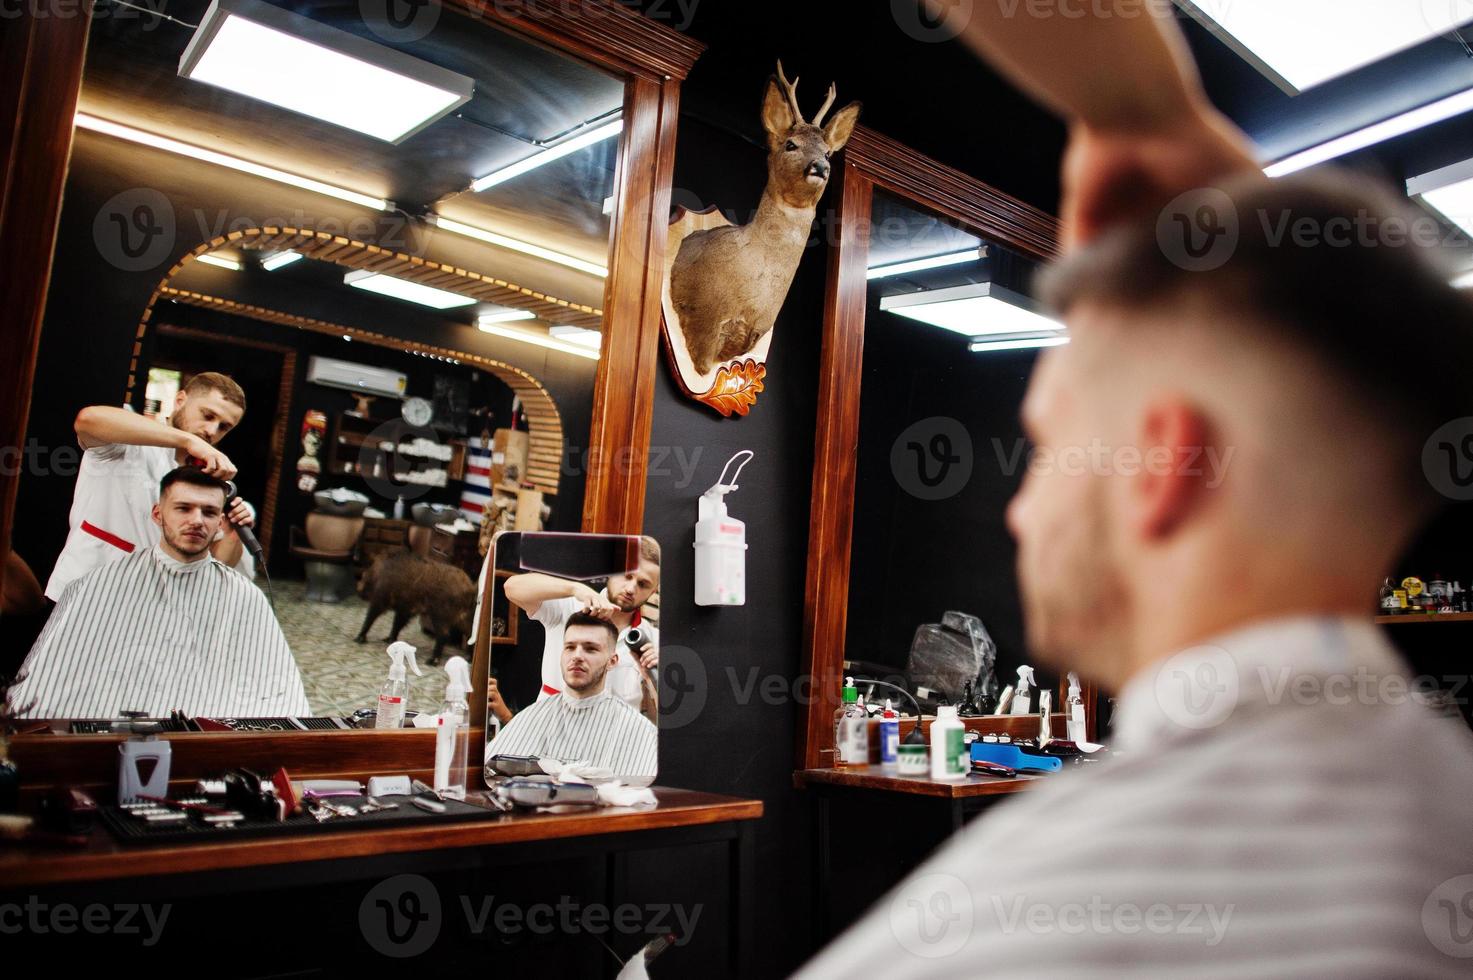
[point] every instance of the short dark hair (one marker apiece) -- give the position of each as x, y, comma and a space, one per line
1343, 298
194, 477
224, 384
588, 619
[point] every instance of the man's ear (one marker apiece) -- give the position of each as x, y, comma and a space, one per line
179, 398
836, 131
158, 516
777, 116
1169, 485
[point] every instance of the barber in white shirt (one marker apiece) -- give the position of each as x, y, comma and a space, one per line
126, 455
551, 601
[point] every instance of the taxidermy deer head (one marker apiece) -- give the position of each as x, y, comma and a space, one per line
727, 284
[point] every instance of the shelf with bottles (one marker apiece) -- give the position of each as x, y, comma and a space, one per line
1413, 599
1447, 617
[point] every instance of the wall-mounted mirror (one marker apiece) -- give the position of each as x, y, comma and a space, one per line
397, 242
569, 641
930, 336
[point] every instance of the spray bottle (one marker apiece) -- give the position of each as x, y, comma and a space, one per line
453, 732
393, 697
1074, 708
1023, 696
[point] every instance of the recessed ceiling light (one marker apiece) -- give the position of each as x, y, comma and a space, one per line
517, 245
928, 262
545, 156
110, 128
974, 309
505, 316
413, 292
302, 65
209, 258
273, 262
1407, 122
541, 340
1304, 43
577, 335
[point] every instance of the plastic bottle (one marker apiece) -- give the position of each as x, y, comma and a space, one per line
1075, 726
851, 729
948, 748
1023, 696
399, 508
393, 697
889, 737
453, 732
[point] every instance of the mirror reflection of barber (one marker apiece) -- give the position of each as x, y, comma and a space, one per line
124, 457
551, 601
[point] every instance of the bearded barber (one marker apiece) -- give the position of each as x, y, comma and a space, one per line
126, 455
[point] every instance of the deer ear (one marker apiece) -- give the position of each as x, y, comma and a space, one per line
777, 117
836, 131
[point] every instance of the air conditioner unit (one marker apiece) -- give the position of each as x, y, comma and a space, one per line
356, 377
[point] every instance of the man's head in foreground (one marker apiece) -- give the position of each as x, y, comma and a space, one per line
189, 511
1231, 444
589, 650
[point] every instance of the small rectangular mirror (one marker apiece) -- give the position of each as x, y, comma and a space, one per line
567, 630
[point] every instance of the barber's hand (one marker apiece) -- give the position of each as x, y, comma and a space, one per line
494, 704
594, 603
647, 656
1115, 176
239, 514
217, 464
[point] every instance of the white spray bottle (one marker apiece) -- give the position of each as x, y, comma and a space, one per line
721, 544
453, 732
1075, 708
393, 697
1023, 697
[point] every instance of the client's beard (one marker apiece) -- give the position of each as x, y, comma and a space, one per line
180, 544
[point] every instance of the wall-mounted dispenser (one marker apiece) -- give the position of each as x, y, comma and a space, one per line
721, 544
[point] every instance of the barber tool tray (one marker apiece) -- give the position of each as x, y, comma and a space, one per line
200, 827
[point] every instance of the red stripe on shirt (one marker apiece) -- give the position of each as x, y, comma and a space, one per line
112, 539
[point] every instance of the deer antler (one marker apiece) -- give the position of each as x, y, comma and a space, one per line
791, 90
827, 105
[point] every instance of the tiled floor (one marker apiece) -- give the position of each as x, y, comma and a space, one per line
340, 675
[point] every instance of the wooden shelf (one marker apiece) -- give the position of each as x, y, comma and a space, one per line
874, 778
1466, 617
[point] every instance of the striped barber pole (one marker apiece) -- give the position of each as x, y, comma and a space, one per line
476, 493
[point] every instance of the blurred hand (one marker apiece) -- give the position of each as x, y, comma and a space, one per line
216, 463
594, 603
647, 656
1115, 176
239, 514
494, 704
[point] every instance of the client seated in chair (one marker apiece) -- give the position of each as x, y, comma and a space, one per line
167, 627
585, 722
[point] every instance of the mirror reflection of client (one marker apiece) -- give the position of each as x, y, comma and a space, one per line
552, 601
164, 628
585, 721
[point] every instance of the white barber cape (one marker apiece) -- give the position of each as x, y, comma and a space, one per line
1279, 806
602, 731
148, 633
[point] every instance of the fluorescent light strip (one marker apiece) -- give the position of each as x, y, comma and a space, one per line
1025, 343
930, 262
506, 316
517, 245
541, 341
973, 309
543, 158
218, 260
581, 336
1407, 122
281, 259
110, 128
295, 63
412, 292
1464, 281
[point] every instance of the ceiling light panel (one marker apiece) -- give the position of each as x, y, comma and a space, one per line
1301, 43
298, 64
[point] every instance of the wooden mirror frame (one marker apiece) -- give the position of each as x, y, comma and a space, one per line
872, 161
41, 65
